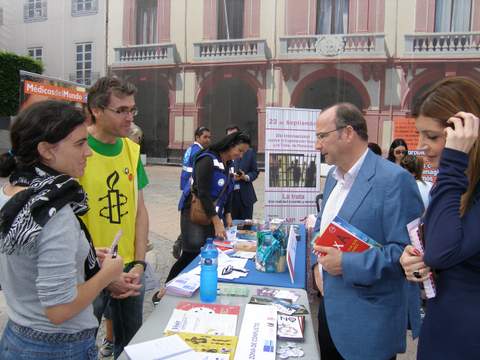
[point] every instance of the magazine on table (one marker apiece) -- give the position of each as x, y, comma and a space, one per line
211, 319
183, 285
222, 346
291, 328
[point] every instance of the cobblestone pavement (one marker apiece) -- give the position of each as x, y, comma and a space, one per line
161, 198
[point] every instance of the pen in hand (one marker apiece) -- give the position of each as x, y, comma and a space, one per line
114, 246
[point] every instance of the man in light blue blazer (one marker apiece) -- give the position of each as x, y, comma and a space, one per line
363, 310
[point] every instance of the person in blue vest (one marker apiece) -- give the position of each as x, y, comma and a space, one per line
211, 173
245, 173
202, 138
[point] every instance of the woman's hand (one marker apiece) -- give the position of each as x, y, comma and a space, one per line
464, 133
413, 265
112, 267
101, 253
219, 228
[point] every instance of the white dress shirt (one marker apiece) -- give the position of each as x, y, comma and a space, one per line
340, 192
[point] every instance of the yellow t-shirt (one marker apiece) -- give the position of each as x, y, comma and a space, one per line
111, 185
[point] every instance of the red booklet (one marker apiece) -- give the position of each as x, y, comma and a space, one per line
345, 237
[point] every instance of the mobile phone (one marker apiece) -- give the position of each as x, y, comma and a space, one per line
114, 246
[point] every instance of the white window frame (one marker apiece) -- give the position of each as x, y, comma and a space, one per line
33, 52
35, 10
79, 7
83, 66
446, 16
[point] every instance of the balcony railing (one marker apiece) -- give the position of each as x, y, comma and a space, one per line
435, 44
337, 45
85, 80
230, 50
145, 54
36, 11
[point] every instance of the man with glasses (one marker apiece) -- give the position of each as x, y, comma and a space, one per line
363, 307
114, 178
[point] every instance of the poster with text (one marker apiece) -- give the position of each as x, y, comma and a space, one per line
292, 165
36, 87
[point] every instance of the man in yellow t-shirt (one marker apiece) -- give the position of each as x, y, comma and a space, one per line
114, 179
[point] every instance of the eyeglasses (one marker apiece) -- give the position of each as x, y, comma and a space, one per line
124, 111
401, 152
322, 135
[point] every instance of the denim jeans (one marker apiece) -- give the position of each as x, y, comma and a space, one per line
126, 315
15, 345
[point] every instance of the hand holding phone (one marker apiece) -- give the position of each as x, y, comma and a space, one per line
239, 174
114, 246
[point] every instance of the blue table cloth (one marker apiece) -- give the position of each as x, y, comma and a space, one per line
256, 277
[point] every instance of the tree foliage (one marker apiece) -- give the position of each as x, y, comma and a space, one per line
10, 66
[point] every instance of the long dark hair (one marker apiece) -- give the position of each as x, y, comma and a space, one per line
230, 141
414, 165
442, 101
49, 121
395, 143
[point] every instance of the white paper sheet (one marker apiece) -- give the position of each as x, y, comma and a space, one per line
258, 334
291, 252
170, 347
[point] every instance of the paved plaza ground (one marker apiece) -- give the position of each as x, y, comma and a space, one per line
161, 198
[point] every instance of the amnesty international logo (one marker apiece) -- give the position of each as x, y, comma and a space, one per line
114, 201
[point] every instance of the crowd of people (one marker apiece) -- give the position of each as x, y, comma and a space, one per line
76, 182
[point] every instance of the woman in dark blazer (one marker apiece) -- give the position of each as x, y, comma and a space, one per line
448, 124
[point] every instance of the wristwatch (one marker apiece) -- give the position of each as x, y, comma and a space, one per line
140, 262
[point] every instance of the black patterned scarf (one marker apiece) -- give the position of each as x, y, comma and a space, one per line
23, 217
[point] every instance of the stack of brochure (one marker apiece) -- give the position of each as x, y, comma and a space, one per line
203, 319
183, 285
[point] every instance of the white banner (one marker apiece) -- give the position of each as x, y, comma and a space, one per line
292, 165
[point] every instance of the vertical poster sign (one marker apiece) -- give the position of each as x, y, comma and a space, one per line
292, 165
404, 128
35, 88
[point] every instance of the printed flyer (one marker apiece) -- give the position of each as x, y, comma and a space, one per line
258, 334
292, 165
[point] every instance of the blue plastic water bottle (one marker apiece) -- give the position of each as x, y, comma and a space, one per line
208, 272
